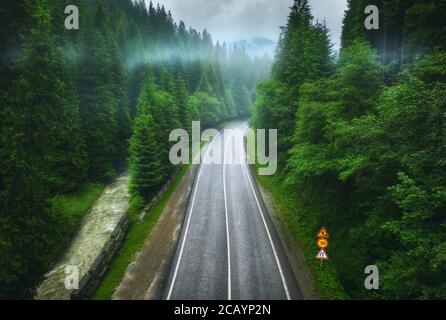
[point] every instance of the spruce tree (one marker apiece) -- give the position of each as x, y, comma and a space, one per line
146, 170
99, 107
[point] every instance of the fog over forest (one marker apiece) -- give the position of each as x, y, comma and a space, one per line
232, 21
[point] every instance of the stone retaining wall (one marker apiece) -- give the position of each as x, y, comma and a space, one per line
100, 235
92, 280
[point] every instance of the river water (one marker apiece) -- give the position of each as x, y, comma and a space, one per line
97, 229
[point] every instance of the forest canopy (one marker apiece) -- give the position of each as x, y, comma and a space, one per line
83, 106
362, 131
362, 140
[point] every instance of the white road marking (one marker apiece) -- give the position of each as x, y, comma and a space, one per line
226, 217
266, 227
227, 224
188, 220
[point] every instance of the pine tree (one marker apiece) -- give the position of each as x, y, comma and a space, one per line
99, 107
181, 95
304, 54
68, 103
353, 23
41, 150
146, 168
242, 98
290, 65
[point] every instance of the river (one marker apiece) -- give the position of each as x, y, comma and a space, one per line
95, 242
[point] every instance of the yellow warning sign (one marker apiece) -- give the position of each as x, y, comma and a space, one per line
323, 233
322, 243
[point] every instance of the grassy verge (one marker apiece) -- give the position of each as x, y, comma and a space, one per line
134, 242
70, 209
304, 229
76, 205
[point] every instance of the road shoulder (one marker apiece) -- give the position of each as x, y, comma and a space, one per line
146, 275
302, 272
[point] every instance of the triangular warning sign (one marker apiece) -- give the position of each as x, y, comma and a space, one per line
323, 233
322, 255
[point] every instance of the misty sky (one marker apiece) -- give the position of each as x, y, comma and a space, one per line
233, 20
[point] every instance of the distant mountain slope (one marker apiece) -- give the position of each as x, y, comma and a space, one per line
258, 46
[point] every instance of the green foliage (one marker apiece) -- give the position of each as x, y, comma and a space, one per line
412, 118
241, 98
365, 159
304, 54
273, 110
359, 153
146, 170
68, 106
207, 106
71, 208
303, 227
77, 203
424, 26
41, 149
407, 29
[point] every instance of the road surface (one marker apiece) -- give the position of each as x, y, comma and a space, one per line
229, 248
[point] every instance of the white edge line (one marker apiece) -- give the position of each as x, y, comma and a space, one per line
188, 221
267, 229
226, 216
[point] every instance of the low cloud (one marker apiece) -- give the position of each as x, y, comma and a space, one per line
233, 20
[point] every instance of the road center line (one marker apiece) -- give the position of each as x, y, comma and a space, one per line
189, 219
266, 226
226, 215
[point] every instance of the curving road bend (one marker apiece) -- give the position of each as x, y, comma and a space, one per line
229, 248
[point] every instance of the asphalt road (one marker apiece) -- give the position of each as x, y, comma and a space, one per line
229, 248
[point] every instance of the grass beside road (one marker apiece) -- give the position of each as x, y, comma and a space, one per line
304, 230
134, 242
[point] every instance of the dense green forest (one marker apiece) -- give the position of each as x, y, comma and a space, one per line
362, 131
82, 106
362, 140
